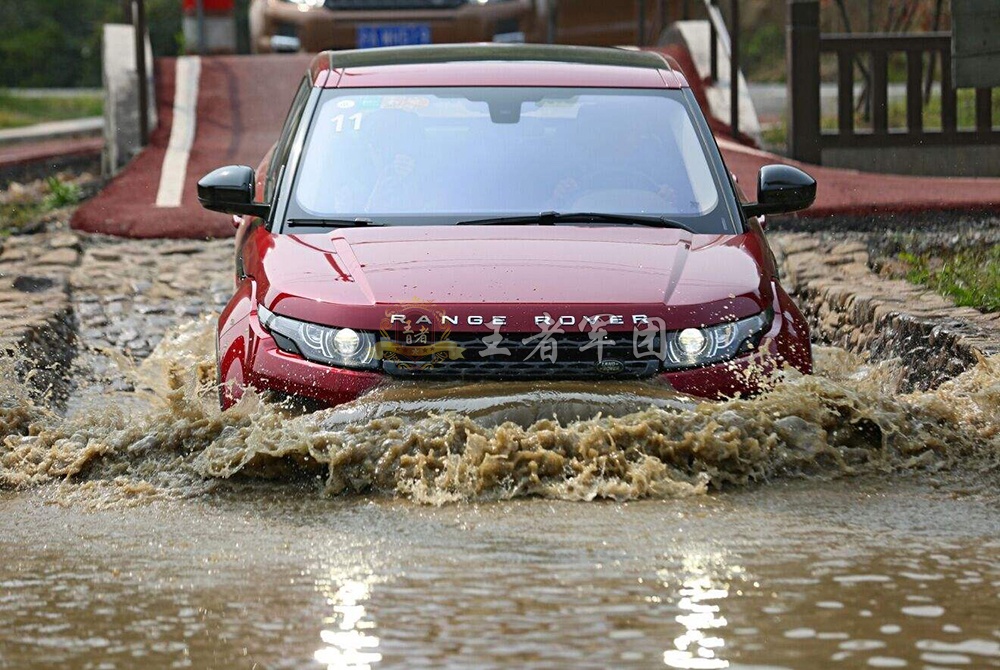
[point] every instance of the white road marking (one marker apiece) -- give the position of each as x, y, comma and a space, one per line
175, 161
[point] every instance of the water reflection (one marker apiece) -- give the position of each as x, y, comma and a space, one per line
349, 636
701, 646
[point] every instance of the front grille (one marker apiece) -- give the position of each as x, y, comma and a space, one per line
393, 4
619, 360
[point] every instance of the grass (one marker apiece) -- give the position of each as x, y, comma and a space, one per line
18, 111
931, 112
970, 277
775, 136
16, 217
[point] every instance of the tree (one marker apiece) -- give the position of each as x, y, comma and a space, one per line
55, 43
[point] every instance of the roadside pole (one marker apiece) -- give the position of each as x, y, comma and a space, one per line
802, 57
641, 28
734, 68
139, 22
200, 17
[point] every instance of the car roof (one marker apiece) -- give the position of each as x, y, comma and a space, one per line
496, 65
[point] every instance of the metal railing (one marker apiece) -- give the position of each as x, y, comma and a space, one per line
729, 39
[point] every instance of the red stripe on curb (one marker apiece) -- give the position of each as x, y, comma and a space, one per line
242, 102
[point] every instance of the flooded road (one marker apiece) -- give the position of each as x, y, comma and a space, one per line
854, 573
830, 523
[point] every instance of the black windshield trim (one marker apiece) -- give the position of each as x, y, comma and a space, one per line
333, 223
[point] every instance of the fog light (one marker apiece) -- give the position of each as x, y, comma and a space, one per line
692, 341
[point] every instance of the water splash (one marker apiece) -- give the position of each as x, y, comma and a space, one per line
440, 444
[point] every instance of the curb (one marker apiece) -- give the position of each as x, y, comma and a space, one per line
34, 161
850, 306
92, 126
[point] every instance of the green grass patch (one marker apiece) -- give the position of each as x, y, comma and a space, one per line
19, 216
17, 111
775, 136
970, 277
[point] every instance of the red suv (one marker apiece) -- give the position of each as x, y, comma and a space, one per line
503, 212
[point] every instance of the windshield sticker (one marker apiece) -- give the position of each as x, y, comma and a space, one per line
346, 104
406, 103
351, 122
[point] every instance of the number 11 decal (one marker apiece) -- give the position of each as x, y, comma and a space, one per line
354, 119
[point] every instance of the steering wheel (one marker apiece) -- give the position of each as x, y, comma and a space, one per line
607, 180
619, 178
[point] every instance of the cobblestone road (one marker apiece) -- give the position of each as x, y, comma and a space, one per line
128, 293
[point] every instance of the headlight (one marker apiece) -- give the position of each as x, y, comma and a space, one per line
694, 347
340, 347
315, 4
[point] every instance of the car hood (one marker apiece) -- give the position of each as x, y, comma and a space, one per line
356, 276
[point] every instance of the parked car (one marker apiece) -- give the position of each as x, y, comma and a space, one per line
315, 25
507, 212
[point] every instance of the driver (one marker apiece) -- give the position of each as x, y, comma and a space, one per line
615, 155
380, 178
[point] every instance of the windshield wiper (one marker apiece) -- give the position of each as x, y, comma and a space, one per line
332, 223
552, 218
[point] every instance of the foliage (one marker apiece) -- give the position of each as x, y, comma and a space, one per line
16, 111
26, 211
55, 43
775, 135
763, 53
885, 16
971, 277
61, 194
763, 38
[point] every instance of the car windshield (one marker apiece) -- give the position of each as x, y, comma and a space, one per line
444, 155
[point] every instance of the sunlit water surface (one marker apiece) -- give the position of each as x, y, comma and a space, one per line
830, 523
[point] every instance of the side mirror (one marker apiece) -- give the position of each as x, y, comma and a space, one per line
231, 190
781, 189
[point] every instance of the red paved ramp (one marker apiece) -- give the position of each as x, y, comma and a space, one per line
862, 194
241, 103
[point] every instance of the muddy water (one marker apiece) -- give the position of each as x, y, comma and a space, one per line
830, 523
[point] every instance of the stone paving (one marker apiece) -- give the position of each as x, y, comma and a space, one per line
127, 293
36, 316
851, 306
71, 304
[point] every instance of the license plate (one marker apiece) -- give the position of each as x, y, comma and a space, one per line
395, 35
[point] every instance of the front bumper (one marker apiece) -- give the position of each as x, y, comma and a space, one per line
318, 29
269, 368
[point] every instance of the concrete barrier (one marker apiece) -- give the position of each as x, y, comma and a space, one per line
121, 97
